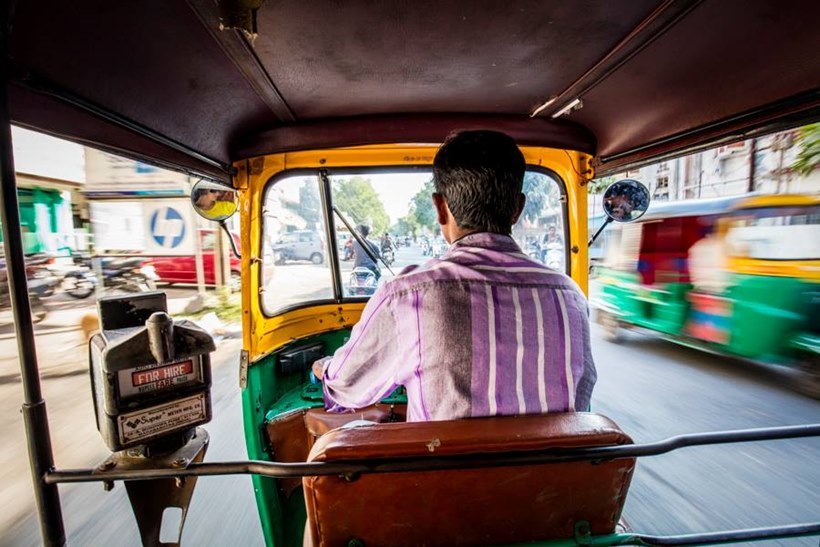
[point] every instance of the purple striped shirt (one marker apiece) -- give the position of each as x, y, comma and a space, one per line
482, 331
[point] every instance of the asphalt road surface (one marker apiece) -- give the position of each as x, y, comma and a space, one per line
653, 389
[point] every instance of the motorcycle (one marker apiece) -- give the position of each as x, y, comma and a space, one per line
533, 251
41, 284
554, 256
388, 255
126, 274
362, 282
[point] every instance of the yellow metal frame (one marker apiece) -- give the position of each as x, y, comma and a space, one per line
262, 334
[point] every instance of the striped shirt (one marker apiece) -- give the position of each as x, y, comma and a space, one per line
482, 331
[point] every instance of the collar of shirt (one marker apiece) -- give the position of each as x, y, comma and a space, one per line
486, 240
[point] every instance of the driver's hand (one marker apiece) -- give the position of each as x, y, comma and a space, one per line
319, 368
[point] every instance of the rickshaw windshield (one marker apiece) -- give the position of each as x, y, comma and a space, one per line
394, 212
776, 233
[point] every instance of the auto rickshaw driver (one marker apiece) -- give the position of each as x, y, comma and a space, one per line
483, 330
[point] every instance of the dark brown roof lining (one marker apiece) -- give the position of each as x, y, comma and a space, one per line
152, 62
749, 54
417, 128
787, 114
56, 117
210, 92
341, 59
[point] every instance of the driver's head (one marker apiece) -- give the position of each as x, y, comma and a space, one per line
205, 198
363, 229
480, 175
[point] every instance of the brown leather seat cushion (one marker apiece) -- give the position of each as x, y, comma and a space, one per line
468, 506
292, 435
319, 421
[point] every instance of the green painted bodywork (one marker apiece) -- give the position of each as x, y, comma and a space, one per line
661, 307
270, 394
769, 322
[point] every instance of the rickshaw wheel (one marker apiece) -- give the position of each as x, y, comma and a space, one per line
611, 326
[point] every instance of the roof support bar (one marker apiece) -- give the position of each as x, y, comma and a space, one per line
34, 413
791, 112
38, 85
659, 21
240, 51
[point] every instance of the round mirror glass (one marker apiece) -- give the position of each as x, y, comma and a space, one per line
214, 201
626, 200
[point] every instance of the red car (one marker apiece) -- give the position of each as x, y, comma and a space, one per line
182, 269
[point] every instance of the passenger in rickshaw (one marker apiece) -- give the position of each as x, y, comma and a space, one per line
481, 331
708, 262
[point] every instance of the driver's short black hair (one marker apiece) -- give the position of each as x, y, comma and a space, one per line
480, 174
363, 229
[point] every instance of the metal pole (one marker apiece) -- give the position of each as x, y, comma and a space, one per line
752, 165
35, 417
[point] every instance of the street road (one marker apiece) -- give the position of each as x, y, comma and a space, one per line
652, 388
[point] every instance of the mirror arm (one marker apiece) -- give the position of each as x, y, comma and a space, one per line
601, 229
234, 248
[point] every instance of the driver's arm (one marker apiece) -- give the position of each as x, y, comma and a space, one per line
364, 370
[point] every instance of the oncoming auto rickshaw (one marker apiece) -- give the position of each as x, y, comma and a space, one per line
282, 104
734, 275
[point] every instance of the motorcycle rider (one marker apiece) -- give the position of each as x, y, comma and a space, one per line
551, 239
361, 257
387, 248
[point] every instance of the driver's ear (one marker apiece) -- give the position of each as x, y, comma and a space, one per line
522, 200
441, 208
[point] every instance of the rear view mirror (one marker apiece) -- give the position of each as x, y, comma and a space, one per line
214, 201
626, 200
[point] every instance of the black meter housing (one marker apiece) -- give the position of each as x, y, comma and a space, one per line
150, 375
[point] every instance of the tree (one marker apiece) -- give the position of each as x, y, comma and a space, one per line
542, 194
310, 204
359, 202
405, 226
422, 211
808, 155
596, 186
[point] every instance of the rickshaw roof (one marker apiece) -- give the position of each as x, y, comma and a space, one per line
659, 210
159, 80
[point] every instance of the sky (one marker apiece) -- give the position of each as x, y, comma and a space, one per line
39, 154
397, 190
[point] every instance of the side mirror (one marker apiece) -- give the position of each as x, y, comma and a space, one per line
213, 201
626, 200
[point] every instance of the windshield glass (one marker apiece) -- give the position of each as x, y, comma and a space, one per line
776, 233
394, 212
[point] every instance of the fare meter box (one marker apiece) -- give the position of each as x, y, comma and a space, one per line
150, 375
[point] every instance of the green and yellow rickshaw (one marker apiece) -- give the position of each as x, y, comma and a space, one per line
739, 276
280, 104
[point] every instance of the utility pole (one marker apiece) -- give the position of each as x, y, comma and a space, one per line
752, 165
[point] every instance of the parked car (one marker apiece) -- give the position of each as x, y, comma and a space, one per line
300, 245
182, 269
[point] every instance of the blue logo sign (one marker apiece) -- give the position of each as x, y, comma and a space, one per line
167, 227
